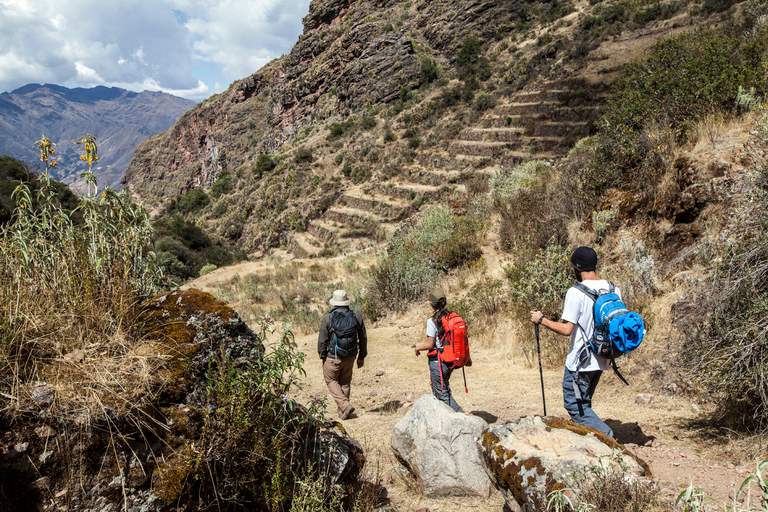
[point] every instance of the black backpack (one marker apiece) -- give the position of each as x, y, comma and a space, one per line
344, 326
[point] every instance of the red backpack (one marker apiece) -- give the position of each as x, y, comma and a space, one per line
454, 346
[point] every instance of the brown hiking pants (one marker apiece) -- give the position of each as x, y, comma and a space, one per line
338, 376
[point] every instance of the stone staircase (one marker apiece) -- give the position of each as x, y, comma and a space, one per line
541, 124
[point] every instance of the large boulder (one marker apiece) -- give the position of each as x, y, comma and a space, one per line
439, 446
532, 456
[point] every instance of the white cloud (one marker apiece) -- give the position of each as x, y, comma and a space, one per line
136, 44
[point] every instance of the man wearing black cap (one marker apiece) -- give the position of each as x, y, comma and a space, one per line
582, 366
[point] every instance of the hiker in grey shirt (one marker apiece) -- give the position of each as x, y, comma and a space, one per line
583, 367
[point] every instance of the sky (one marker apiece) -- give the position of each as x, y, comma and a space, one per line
189, 48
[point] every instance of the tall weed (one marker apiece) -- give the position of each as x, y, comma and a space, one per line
70, 285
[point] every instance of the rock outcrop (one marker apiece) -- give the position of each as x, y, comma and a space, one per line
136, 457
439, 446
531, 457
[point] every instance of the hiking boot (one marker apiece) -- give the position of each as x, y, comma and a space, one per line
346, 414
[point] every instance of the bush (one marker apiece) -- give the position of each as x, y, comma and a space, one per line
264, 165
256, 442
484, 101
222, 185
466, 60
207, 269
191, 202
429, 70
69, 286
540, 281
303, 155
425, 247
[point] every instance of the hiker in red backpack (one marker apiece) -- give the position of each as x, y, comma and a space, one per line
342, 339
583, 367
439, 370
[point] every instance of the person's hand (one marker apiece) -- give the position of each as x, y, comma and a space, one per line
360, 363
469, 363
417, 351
536, 316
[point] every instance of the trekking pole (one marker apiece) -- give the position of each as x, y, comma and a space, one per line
465, 380
541, 372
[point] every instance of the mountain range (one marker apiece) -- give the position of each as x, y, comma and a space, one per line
121, 119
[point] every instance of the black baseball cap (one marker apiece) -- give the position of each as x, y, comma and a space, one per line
584, 259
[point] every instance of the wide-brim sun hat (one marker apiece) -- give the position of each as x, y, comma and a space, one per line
339, 298
437, 295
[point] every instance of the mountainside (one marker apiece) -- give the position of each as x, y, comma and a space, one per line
382, 106
120, 118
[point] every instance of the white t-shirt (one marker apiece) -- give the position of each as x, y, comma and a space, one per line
578, 310
431, 328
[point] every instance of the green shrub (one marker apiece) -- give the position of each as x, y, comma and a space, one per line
207, 269
484, 101
264, 165
540, 281
222, 185
508, 182
191, 202
368, 122
303, 155
684, 78
466, 60
255, 442
428, 245
429, 70
68, 285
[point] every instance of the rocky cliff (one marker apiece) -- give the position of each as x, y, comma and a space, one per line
382, 106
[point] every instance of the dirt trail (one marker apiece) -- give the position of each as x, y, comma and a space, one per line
502, 387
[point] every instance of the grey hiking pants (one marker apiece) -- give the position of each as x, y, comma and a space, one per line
442, 391
581, 410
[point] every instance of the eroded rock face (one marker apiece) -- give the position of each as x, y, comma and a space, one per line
527, 458
439, 446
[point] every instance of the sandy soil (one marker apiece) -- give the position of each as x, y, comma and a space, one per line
502, 386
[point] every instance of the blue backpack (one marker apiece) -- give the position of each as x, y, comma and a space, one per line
617, 330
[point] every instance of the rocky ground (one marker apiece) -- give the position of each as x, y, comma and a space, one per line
663, 429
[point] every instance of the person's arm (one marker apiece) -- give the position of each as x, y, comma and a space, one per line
324, 337
429, 345
561, 327
362, 340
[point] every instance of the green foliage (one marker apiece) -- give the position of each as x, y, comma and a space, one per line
222, 185
368, 122
428, 245
207, 269
539, 281
191, 202
429, 70
255, 440
484, 101
303, 155
264, 165
508, 182
183, 248
13, 172
467, 58
684, 78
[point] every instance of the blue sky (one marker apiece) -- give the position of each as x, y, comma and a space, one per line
190, 48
